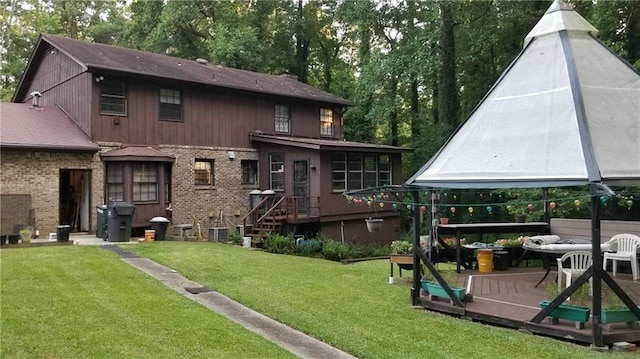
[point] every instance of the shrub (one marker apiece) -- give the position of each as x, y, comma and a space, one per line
278, 243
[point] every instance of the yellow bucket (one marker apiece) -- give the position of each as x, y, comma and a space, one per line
149, 235
485, 260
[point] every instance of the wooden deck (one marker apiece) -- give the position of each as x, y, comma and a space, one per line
509, 298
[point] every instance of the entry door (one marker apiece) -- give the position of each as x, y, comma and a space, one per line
301, 184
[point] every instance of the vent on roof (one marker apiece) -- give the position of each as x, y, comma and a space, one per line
35, 98
202, 61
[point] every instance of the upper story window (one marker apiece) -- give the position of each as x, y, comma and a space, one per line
283, 119
170, 105
203, 172
326, 122
249, 171
113, 98
276, 171
359, 171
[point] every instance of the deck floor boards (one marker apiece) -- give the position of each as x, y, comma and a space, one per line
510, 298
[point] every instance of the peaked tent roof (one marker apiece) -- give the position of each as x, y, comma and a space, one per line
565, 112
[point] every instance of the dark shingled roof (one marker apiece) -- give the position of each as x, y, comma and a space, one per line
41, 128
95, 56
137, 153
325, 144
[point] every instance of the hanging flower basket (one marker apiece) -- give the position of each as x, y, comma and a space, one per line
374, 224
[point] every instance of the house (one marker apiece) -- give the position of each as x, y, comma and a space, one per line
186, 140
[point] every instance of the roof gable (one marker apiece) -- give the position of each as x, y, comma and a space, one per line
96, 57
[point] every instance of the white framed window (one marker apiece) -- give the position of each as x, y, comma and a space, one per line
276, 171
283, 119
339, 172
326, 122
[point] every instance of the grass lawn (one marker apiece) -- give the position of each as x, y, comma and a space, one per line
84, 302
349, 306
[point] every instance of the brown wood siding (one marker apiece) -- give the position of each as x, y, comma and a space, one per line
210, 117
62, 82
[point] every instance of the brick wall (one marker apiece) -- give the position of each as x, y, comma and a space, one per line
227, 196
38, 174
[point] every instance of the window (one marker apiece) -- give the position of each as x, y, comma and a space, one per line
339, 170
370, 176
276, 171
355, 171
384, 170
249, 171
113, 98
115, 182
145, 182
326, 122
170, 105
203, 172
361, 170
283, 120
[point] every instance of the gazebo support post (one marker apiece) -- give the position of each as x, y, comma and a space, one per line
415, 289
596, 310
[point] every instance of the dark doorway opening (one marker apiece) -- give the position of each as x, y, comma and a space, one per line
75, 199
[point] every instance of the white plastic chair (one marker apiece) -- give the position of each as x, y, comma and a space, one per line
626, 250
579, 262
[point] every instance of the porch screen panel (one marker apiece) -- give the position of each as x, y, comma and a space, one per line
355, 171
339, 171
384, 170
145, 182
370, 176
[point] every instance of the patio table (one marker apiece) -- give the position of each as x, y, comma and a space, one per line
480, 228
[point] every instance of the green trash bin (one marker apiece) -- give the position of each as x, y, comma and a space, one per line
101, 222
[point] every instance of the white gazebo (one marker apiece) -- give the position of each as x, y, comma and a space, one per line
566, 112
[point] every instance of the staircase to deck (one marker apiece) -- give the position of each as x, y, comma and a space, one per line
277, 214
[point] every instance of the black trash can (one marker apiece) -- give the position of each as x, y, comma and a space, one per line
62, 233
500, 260
160, 224
119, 216
101, 222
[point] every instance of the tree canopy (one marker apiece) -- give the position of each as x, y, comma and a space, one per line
414, 69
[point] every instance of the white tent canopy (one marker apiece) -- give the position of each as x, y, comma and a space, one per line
566, 112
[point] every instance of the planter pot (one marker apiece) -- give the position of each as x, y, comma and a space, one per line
13, 238
374, 224
444, 221
618, 316
574, 313
404, 261
521, 218
436, 290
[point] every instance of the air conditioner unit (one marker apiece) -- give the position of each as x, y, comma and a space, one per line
219, 234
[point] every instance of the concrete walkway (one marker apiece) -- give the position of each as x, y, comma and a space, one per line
292, 340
